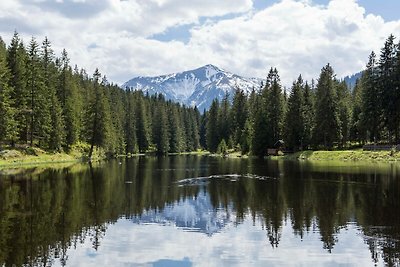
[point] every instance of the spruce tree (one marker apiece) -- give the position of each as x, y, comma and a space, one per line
160, 129
274, 106
387, 90
16, 60
8, 124
130, 124
212, 133
343, 95
370, 100
308, 116
38, 103
357, 132
56, 136
142, 123
239, 115
294, 119
327, 123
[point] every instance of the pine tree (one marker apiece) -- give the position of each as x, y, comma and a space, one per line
142, 124
56, 136
175, 128
223, 122
160, 129
294, 119
370, 104
386, 86
327, 123
239, 115
343, 95
130, 124
274, 105
357, 132
16, 58
71, 103
308, 116
38, 104
260, 133
8, 124
98, 116
212, 135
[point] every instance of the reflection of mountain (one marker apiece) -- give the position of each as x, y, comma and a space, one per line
192, 214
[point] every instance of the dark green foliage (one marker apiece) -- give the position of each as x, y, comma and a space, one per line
370, 104
16, 61
212, 135
274, 103
160, 129
238, 118
46, 103
130, 124
327, 122
8, 124
294, 121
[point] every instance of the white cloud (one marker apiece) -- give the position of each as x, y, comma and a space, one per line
116, 36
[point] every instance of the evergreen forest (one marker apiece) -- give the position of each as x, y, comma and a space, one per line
47, 103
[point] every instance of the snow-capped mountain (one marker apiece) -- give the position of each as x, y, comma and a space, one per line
197, 87
191, 214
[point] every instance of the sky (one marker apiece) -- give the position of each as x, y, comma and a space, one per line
129, 38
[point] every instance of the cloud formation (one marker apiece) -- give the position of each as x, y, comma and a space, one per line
118, 35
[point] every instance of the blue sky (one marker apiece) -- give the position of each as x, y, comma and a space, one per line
128, 38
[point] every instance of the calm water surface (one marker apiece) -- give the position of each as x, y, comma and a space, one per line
201, 211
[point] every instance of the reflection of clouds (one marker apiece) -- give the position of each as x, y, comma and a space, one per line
128, 244
192, 214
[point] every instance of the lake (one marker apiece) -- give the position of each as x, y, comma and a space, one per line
201, 211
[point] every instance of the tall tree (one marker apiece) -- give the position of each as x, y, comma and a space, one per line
239, 115
308, 116
38, 104
386, 86
130, 124
8, 124
344, 99
212, 135
370, 98
160, 129
294, 119
98, 116
16, 60
274, 107
327, 123
55, 139
142, 123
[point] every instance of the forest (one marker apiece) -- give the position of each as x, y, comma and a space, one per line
47, 103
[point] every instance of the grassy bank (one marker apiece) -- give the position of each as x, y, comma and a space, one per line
26, 156
345, 155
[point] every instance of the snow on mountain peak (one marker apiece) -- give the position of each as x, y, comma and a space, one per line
198, 87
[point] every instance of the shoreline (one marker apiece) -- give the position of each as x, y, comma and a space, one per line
26, 161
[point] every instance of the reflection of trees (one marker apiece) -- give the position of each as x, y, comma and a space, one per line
44, 214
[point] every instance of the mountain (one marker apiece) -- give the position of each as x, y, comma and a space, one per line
351, 80
198, 87
191, 214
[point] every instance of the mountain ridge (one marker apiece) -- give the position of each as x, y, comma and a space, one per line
197, 87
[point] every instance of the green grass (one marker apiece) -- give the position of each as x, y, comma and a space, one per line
25, 156
345, 155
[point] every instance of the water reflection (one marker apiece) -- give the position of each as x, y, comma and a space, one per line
140, 212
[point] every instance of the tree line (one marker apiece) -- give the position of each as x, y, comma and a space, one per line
326, 114
46, 103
